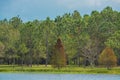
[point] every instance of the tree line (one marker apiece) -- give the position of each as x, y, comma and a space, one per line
83, 37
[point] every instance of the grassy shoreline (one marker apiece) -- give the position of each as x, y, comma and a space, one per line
49, 69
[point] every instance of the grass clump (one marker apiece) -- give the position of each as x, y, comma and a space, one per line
49, 69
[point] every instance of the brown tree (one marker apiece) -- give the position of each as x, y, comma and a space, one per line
108, 58
58, 55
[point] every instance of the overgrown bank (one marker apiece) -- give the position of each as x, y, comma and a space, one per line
49, 69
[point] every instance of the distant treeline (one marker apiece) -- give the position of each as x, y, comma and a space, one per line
83, 38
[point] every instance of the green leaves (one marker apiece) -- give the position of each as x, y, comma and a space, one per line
23, 49
33, 39
114, 40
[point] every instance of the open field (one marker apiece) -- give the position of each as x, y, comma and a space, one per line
49, 69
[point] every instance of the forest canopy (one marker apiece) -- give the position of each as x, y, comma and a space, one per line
83, 38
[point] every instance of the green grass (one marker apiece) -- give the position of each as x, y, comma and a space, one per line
49, 69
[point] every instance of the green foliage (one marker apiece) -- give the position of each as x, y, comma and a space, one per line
2, 47
30, 42
114, 40
49, 69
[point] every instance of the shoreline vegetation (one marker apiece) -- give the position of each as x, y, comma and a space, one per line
49, 69
66, 42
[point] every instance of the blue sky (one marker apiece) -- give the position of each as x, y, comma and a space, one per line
39, 9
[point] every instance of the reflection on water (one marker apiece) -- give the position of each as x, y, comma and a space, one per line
37, 76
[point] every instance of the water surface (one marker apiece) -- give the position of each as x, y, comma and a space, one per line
38, 76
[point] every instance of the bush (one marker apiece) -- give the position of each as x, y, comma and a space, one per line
108, 58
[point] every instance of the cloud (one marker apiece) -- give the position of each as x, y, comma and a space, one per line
80, 3
25, 5
116, 1
71, 4
29, 9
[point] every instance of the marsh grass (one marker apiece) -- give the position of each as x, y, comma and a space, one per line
68, 69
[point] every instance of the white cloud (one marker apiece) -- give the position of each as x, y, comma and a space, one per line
43, 8
70, 4
86, 3
116, 1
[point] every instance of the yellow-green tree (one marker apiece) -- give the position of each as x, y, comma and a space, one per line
58, 55
2, 47
108, 58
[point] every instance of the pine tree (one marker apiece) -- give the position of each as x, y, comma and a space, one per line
58, 55
108, 58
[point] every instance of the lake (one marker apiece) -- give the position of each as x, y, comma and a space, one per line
40, 76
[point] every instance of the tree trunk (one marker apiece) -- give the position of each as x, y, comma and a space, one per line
92, 64
22, 61
79, 61
13, 62
46, 51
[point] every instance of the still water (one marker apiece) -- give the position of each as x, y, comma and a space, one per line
37, 76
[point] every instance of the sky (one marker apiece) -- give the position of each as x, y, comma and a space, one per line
29, 10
